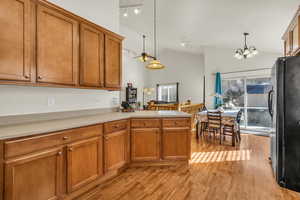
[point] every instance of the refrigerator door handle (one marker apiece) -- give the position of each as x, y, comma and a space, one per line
270, 102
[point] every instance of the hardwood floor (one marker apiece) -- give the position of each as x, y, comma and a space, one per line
215, 172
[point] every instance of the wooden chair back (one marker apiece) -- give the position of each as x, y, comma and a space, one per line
214, 120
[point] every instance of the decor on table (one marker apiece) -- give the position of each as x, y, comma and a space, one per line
246, 52
218, 91
155, 63
144, 57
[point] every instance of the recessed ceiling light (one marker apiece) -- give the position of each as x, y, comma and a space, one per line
125, 14
183, 44
137, 11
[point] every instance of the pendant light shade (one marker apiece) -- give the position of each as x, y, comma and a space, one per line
155, 64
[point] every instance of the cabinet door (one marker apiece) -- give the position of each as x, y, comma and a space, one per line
91, 56
57, 47
113, 65
296, 37
34, 177
114, 147
15, 40
145, 144
84, 162
176, 143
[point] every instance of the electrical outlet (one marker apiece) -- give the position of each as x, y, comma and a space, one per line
51, 101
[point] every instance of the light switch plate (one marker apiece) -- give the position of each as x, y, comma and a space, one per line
51, 101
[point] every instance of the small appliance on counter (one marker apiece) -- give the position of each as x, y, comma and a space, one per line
126, 107
131, 94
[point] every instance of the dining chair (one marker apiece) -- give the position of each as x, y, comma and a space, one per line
238, 121
214, 123
232, 128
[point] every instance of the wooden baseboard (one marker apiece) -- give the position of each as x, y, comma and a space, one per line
158, 163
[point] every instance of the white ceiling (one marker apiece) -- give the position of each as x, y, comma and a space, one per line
217, 23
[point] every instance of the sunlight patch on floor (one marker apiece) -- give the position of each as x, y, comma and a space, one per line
221, 156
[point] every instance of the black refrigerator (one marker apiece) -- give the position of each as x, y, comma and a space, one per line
284, 107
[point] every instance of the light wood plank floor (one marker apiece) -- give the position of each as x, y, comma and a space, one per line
215, 172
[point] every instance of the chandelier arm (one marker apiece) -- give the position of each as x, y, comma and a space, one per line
245, 47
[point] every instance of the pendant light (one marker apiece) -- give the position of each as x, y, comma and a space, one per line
246, 52
144, 57
155, 63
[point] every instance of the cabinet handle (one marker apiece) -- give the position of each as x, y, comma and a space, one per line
26, 76
39, 77
59, 153
65, 138
70, 149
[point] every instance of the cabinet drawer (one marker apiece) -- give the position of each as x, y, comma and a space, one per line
145, 123
177, 122
115, 126
32, 144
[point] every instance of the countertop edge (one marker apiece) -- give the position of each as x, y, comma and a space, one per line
72, 123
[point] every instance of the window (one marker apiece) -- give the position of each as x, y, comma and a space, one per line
167, 93
250, 95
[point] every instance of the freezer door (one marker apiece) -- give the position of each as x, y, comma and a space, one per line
291, 137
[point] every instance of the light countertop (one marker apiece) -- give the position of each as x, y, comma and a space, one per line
47, 126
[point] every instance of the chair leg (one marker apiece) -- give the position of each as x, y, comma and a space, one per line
221, 135
233, 136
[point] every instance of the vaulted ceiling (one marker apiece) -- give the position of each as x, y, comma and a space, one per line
217, 23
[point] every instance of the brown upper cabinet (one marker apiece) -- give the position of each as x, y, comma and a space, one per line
57, 47
113, 62
44, 45
91, 56
15, 40
292, 37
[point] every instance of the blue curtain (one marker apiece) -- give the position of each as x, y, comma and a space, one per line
218, 90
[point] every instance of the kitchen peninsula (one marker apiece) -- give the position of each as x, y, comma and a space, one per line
56, 151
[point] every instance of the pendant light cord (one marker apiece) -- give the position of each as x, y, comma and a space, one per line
155, 40
245, 42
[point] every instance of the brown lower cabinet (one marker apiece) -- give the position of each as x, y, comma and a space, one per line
114, 148
175, 143
37, 176
84, 162
145, 144
67, 164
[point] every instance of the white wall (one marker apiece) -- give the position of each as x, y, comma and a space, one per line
185, 68
133, 70
222, 60
15, 100
102, 12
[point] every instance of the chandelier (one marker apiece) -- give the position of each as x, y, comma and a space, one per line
246, 52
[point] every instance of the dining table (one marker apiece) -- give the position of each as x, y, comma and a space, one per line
228, 117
